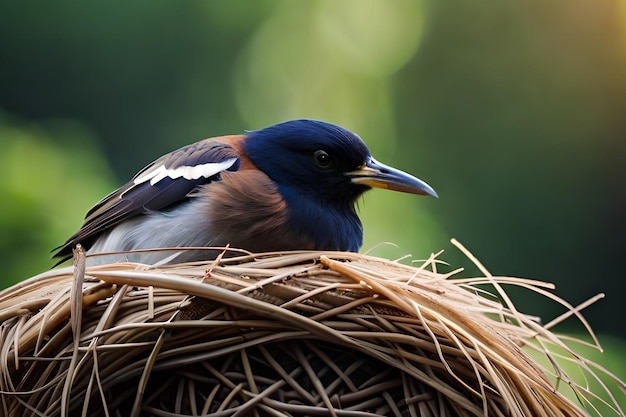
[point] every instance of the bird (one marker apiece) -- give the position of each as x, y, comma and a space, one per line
290, 186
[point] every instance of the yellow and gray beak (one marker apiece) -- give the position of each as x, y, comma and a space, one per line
375, 174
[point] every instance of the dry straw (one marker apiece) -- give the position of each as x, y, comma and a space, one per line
293, 334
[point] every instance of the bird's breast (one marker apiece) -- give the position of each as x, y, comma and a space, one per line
247, 211
329, 225
251, 212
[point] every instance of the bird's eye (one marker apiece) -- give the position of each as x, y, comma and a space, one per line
323, 160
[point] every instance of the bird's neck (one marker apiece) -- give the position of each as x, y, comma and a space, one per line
332, 226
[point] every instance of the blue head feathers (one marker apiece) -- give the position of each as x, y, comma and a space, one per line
321, 169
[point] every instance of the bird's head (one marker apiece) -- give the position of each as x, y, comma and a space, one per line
313, 159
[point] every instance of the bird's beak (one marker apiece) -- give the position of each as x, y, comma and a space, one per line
375, 174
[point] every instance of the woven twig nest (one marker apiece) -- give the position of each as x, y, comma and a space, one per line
293, 334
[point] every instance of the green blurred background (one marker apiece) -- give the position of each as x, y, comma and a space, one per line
512, 110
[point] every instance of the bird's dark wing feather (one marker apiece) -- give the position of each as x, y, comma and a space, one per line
164, 182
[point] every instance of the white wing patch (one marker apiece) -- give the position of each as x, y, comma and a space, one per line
188, 172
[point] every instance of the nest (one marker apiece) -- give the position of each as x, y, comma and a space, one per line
291, 334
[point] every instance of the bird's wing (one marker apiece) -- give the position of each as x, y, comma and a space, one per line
164, 182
